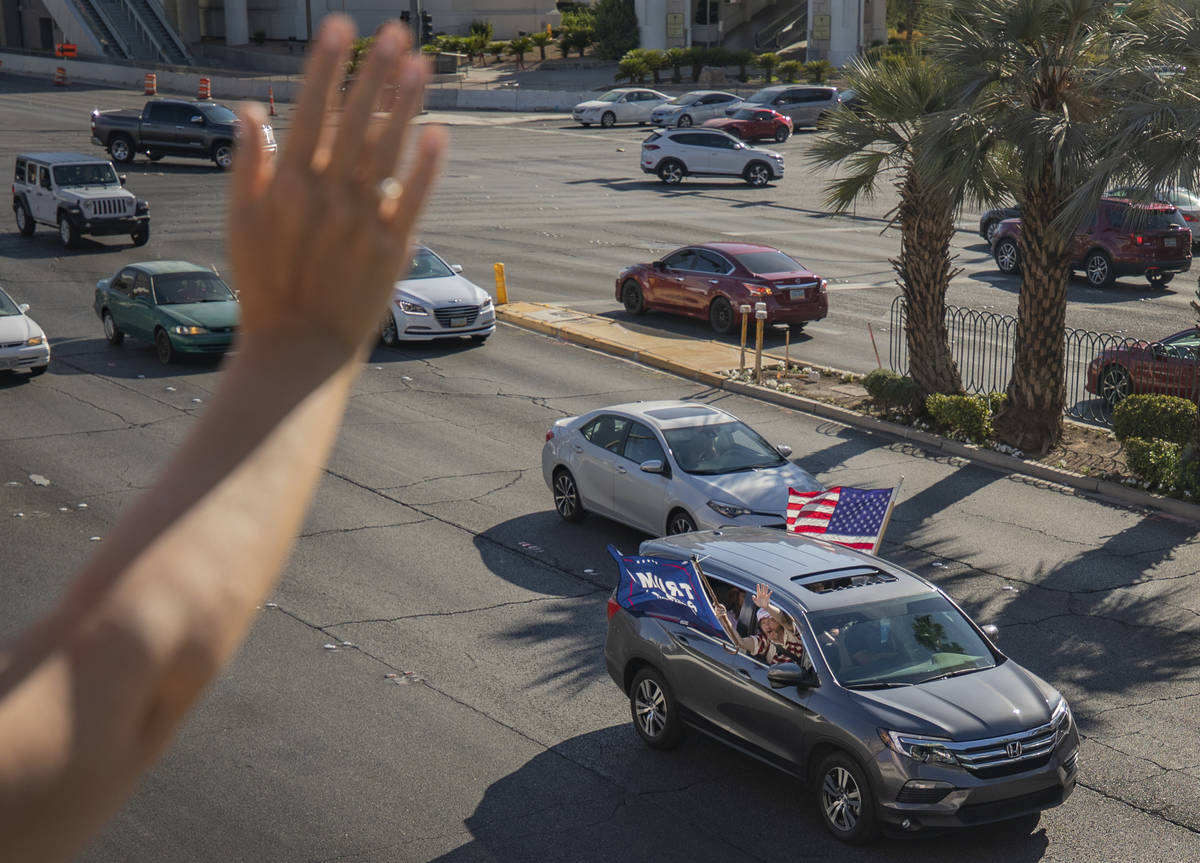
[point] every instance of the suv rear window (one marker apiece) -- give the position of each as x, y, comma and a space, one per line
1147, 219
654, 136
19, 173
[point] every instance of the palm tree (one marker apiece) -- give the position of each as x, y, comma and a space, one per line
518, 47
742, 59
1061, 90
676, 57
768, 62
541, 39
884, 140
633, 67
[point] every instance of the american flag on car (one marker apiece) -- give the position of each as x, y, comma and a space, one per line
853, 517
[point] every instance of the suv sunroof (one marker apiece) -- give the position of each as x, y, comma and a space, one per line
842, 579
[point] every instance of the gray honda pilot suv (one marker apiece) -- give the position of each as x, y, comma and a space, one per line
902, 713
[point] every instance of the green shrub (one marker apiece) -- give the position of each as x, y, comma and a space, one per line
1168, 418
1154, 461
964, 416
616, 28
1187, 477
891, 391
789, 71
817, 71
480, 27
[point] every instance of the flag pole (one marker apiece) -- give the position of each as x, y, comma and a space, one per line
712, 600
887, 516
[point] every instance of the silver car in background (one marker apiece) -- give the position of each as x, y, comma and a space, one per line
668, 467
434, 301
900, 713
692, 109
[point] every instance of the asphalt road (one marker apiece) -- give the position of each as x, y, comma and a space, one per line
433, 553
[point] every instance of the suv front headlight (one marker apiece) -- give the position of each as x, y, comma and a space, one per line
1062, 718
931, 750
728, 510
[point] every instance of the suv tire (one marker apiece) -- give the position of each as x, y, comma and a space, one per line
67, 232
141, 235
757, 174
120, 147
845, 800
631, 296
1008, 256
1159, 280
25, 222
671, 171
654, 711
1098, 269
222, 155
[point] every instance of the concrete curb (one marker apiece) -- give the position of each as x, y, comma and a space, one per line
1110, 491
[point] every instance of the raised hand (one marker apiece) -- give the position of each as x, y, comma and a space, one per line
318, 237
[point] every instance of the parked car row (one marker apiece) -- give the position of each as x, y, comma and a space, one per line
803, 105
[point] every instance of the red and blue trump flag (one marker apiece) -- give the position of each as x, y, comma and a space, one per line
853, 517
671, 590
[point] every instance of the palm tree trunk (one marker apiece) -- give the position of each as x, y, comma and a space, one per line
1031, 419
923, 273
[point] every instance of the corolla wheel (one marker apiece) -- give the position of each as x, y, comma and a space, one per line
566, 496
680, 522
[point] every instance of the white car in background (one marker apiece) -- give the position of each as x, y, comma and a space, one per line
622, 105
23, 345
673, 154
434, 302
692, 109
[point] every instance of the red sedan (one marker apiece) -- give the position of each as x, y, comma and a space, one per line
1170, 367
752, 124
712, 280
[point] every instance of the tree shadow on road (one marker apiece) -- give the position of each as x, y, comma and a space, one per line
603, 796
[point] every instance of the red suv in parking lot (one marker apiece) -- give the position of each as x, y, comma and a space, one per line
1123, 239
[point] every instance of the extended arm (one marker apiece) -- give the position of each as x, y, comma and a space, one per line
91, 694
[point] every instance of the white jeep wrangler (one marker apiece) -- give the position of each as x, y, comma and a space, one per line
78, 195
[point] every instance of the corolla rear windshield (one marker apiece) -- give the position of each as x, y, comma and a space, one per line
899, 642
427, 265
97, 174
721, 448
177, 288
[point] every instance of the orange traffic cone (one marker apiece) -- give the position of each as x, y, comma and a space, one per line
271, 99
205, 91
60, 77
151, 84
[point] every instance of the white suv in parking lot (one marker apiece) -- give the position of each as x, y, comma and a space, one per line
673, 154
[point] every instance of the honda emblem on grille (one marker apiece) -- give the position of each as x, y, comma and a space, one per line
1014, 749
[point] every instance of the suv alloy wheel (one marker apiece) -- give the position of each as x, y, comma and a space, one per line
653, 709
67, 232
757, 174
845, 799
1098, 269
25, 223
671, 172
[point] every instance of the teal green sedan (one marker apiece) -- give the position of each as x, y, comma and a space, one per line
178, 307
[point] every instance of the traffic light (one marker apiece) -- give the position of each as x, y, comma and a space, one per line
426, 27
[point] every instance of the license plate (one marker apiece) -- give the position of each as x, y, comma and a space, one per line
458, 322
1169, 242
798, 293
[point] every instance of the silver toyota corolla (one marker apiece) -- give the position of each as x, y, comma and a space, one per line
901, 711
669, 467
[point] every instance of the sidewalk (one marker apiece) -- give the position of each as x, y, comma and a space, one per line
709, 362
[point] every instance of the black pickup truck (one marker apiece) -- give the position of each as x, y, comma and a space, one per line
171, 127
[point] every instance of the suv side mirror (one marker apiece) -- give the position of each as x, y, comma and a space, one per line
122, 178
790, 674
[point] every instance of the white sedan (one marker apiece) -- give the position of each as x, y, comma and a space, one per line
23, 345
434, 302
622, 105
692, 109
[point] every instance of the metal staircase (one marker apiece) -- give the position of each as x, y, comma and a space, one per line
135, 30
764, 26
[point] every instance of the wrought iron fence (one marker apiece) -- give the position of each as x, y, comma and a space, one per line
1100, 368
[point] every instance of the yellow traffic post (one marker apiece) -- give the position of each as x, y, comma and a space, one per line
760, 319
744, 310
501, 284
